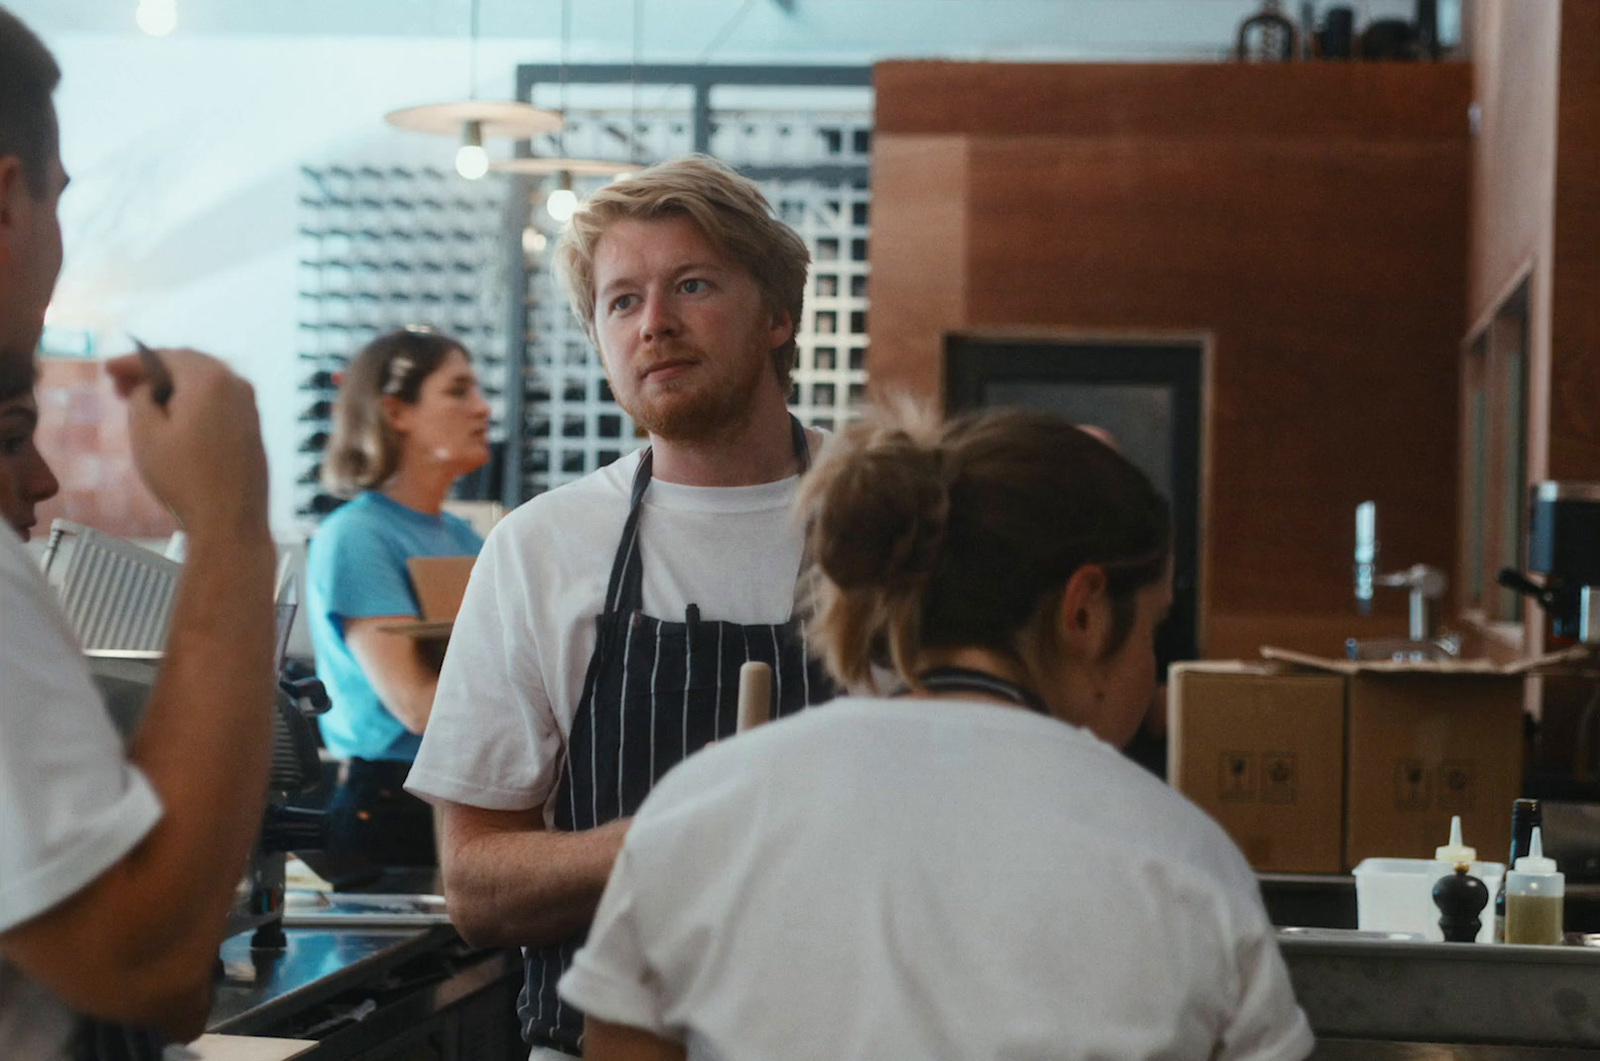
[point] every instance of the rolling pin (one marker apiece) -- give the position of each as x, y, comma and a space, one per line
755, 695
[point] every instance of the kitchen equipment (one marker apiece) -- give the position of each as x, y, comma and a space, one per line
1564, 549
1425, 587
118, 598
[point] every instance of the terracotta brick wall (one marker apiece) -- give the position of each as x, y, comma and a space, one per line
83, 433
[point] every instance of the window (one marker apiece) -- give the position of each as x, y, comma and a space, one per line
1494, 375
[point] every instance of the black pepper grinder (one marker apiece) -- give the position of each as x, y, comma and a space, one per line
1460, 898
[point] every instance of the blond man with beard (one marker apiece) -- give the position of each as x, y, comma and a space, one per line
602, 633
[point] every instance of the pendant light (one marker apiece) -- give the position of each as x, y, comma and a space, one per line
562, 202
474, 120
157, 17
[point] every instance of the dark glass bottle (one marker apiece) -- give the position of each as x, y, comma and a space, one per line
1525, 815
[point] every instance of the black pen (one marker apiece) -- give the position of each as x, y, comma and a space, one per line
156, 372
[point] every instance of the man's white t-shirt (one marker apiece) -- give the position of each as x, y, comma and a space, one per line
923, 878
521, 642
71, 804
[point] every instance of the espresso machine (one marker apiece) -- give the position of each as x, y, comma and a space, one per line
118, 598
1563, 575
1564, 551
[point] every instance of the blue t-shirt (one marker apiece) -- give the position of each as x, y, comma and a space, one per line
356, 569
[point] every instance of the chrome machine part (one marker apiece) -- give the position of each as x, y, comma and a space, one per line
1564, 548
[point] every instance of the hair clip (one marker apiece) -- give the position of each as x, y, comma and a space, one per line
399, 368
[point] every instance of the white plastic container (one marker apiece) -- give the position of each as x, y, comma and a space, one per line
1396, 894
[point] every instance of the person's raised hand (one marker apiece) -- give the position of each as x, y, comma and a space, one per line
201, 451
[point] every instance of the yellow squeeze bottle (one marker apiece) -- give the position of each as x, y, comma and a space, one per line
1535, 896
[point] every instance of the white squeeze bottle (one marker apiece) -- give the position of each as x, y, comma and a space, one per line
1535, 893
1453, 852
1445, 859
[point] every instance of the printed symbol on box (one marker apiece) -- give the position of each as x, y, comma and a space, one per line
1455, 786
1236, 777
1279, 775
1410, 785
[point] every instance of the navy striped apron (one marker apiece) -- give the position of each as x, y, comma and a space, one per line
655, 691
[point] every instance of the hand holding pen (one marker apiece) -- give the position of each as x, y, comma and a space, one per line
196, 438
155, 373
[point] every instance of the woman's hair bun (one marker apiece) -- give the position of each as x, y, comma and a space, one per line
883, 514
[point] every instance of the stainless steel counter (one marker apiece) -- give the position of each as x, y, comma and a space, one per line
1410, 992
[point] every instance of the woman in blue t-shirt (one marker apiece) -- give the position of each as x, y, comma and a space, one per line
409, 420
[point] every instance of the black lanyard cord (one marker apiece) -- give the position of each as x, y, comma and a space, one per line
967, 680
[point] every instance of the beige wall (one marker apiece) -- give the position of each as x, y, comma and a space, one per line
1536, 214
1513, 191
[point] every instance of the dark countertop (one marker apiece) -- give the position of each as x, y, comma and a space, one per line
259, 990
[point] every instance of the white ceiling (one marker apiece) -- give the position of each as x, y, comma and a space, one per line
730, 30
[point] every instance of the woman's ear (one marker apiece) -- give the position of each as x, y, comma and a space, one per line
395, 413
1085, 612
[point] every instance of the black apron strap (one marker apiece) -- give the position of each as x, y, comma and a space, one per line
625, 587
802, 448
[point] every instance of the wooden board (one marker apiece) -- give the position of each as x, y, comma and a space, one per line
248, 1048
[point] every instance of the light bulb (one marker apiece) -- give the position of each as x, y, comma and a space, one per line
472, 161
157, 17
561, 205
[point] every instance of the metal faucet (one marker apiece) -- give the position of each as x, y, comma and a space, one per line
1426, 586
1424, 583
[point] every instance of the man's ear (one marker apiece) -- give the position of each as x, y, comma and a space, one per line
781, 329
1084, 612
13, 185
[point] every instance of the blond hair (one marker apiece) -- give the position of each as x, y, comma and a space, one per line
727, 208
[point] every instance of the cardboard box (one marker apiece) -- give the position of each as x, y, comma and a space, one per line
439, 583
1426, 747
1428, 740
1263, 752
